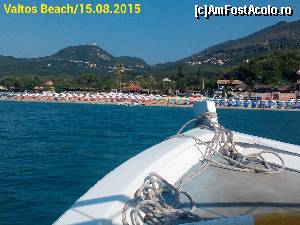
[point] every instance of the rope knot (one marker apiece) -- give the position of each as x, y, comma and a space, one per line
150, 204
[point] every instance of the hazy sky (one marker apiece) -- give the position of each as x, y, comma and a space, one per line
166, 30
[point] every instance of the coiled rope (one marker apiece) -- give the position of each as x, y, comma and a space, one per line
149, 204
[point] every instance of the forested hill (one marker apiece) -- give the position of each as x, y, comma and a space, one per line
211, 62
281, 36
72, 60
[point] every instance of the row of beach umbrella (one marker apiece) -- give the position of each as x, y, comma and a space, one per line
291, 104
105, 97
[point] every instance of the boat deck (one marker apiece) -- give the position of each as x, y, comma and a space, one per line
222, 193
218, 192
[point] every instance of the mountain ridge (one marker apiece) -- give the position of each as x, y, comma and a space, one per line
282, 34
90, 58
71, 60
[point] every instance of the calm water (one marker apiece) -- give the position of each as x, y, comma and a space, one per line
50, 154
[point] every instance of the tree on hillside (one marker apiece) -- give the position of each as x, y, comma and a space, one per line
274, 68
181, 83
86, 81
31, 81
62, 83
151, 83
118, 72
110, 84
13, 83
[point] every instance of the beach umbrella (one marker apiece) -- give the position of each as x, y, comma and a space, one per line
178, 100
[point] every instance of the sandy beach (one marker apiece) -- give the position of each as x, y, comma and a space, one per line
145, 105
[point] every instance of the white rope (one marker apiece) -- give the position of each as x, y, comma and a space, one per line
149, 204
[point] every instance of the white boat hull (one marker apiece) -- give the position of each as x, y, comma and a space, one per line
104, 202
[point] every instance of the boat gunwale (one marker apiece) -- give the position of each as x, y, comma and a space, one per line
158, 158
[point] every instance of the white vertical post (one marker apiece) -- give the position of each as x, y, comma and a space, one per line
203, 107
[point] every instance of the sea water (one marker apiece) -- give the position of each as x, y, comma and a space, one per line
51, 154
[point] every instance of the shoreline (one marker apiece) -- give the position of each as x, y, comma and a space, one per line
145, 105
91, 103
260, 109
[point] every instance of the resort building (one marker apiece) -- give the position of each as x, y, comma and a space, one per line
38, 88
239, 89
132, 88
229, 84
297, 86
2, 88
50, 85
166, 79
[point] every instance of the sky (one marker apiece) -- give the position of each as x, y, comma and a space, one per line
165, 31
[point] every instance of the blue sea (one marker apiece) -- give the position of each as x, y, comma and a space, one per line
51, 154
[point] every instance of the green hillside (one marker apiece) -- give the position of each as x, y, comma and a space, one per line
277, 69
269, 56
73, 60
221, 57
